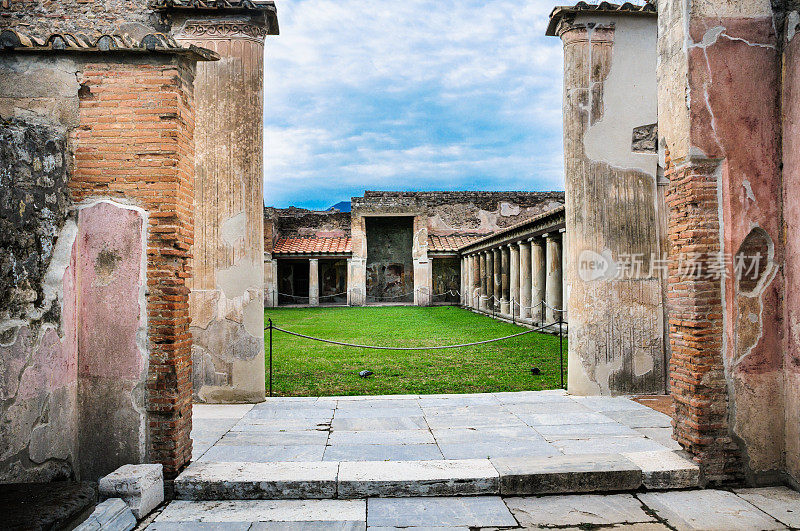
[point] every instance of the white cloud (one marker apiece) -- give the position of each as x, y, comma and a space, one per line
415, 94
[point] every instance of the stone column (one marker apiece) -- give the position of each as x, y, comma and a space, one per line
357, 265
564, 283
538, 279
525, 279
553, 283
227, 286
504, 278
514, 279
476, 280
270, 281
465, 270
489, 280
497, 280
423, 273
313, 282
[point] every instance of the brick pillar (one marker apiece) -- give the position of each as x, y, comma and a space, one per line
525, 279
227, 289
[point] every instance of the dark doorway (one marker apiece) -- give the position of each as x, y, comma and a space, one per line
333, 282
390, 267
446, 280
293, 282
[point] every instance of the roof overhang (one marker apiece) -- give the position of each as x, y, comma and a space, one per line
560, 13
265, 8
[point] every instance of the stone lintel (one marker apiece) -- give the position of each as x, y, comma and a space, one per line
256, 10
562, 17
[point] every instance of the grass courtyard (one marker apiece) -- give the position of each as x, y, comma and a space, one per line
302, 367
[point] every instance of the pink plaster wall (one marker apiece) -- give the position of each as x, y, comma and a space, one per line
791, 217
735, 86
110, 262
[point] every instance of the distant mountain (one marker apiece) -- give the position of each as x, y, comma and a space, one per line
341, 206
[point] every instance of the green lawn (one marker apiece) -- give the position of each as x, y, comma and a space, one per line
308, 368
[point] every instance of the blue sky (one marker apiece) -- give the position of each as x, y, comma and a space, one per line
410, 95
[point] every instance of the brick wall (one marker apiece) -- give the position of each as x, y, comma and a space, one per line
90, 17
135, 141
697, 374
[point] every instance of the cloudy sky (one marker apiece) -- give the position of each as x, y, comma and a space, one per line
410, 95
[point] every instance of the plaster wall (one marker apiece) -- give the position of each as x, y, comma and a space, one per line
616, 318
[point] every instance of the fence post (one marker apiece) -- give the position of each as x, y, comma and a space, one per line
513, 320
270, 357
561, 346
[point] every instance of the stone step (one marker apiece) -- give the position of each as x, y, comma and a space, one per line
559, 474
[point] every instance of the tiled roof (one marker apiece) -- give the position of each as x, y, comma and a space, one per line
515, 226
312, 246
648, 8
452, 242
11, 39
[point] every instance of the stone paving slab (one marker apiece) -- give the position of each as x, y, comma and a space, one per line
708, 510
265, 425
665, 469
566, 474
379, 423
552, 419
483, 511
417, 478
220, 411
662, 436
275, 438
781, 503
647, 418
578, 510
383, 452
606, 444
381, 437
498, 448
289, 511
609, 403
251, 453
257, 481
579, 431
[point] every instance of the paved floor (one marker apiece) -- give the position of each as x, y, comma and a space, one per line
746, 509
428, 427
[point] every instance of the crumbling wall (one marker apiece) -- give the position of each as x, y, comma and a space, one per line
298, 222
467, 212
90, 17
722, 135
38, 343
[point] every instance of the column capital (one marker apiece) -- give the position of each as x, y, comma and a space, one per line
232, 19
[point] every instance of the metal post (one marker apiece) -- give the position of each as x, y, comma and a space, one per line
270, 357
561, 346
513, 320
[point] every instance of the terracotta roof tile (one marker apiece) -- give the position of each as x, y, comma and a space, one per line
313, 246
452, 242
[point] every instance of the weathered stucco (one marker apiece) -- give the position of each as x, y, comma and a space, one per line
227, 296
616, 326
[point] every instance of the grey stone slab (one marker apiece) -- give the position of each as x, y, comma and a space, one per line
420, 528
275, 438
707, 509
370, 398
229, 453
382, 452
417, 478
288, 511
550, 419
578, 510
378, 403
199, 447
486, 434
263, 425
257, 481
310, 526
284, 414
521, 397
200, 526
562, 474
607, 444
379, 423
381, 437
781, 503
141, 487
662, 436
582, 431
207, 428
666, 470
477, 511
458, 400
472, 421
646, 418
609, 403
499, 448
567, 406
111, 515
377, 412
219, 411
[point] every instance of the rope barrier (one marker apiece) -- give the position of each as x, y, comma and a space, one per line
376, 347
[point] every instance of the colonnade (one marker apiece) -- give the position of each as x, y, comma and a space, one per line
515, 279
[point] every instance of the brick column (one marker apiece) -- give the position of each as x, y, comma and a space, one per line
514, 279
313, 282
227, 289
525, 279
